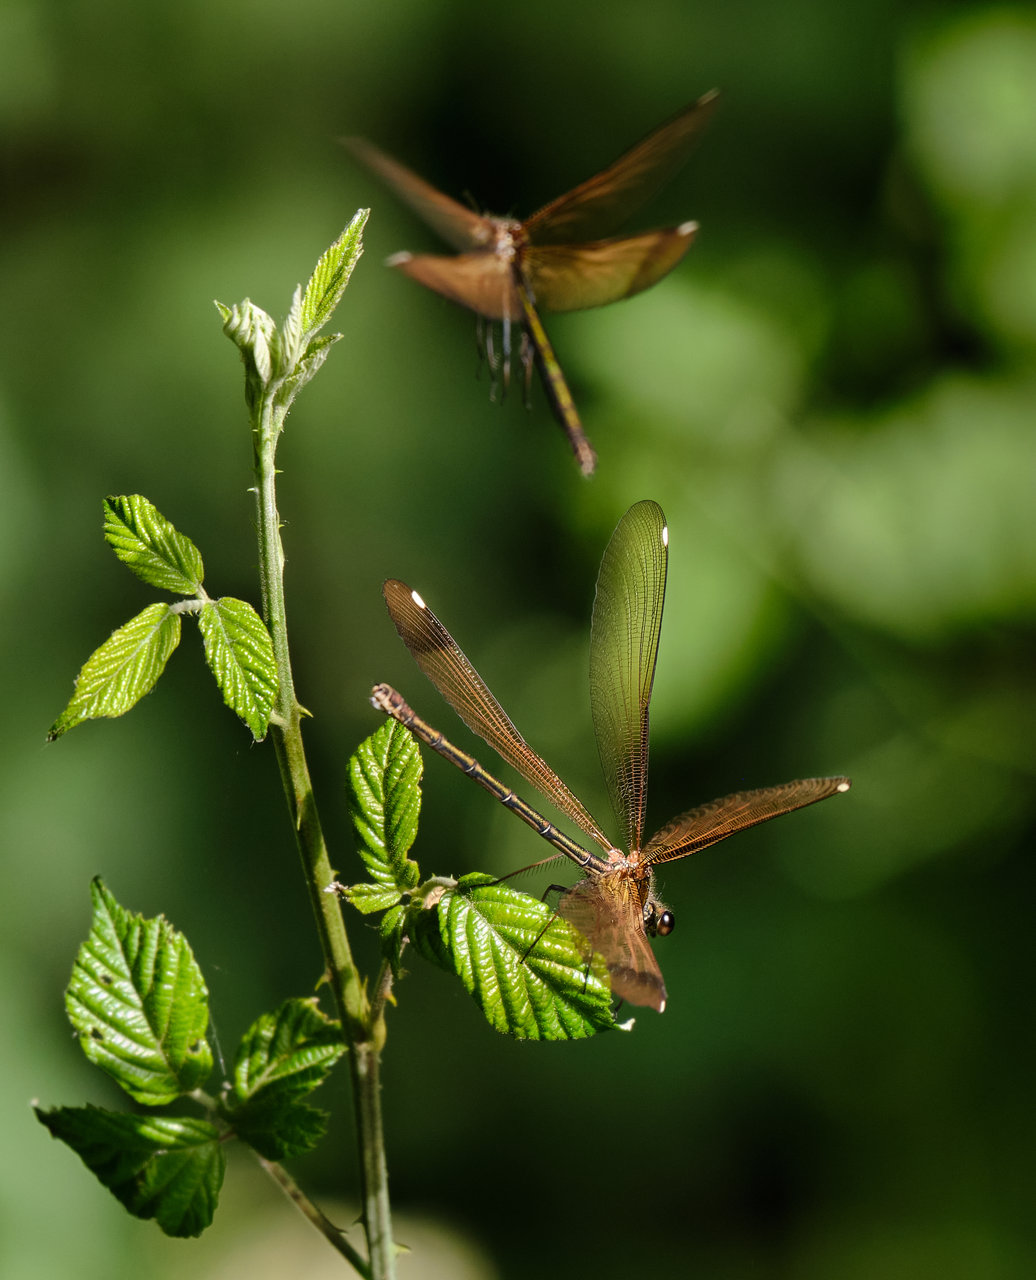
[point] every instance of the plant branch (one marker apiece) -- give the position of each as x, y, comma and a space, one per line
286, 731
277, 365
323, 1224
363, 1034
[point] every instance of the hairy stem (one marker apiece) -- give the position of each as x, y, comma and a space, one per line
362, 1027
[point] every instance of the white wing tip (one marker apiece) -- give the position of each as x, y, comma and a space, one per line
844, 786
687, 229
665, 535
417, 600
398, 259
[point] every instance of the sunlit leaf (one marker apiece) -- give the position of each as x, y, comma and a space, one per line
368, 898
139, 1003
126, 667
385, 803
145, 540
291, 1049
525, 966
282, 1057
330, 277
239, 652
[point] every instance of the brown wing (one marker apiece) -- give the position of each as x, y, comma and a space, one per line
608, 912
481, 281
458, 225
571, 277
721, 818
624, 634
444, 663
601, 204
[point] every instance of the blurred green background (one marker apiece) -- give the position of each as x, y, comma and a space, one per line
833, 400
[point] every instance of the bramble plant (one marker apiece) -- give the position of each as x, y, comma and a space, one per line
137, 998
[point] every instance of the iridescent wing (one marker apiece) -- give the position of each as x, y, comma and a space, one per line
458, 225
624, 630
441, 659
601, 204
608, 912
572, 277
712, 822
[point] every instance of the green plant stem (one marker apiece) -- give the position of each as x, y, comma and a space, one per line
363, 1031
366, 1062
323, 1224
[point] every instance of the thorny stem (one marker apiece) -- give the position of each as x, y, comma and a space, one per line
323, 1224
362, 1025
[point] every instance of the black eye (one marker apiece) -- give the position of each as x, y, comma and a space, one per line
656, 921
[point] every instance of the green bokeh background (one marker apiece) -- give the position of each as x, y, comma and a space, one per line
833, 399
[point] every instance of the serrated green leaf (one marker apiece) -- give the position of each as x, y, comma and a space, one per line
283, 360
139, 1003
331, 275
305, 368
391, 920
316, 352
385, 803
524, 965
145, 540
239, 652
291, 1049
282, 1057
168, 1169
390, 930
390, 927
117, 675
368, 898
279, 1128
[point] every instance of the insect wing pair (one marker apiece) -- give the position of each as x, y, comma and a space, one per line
614, 906
562, 258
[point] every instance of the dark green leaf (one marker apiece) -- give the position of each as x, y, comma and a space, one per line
139, 1003
385, 802
158, 1167
126, 667
390, 929
525, 966
239, 652
144, 539
282, 1057
280, 1128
